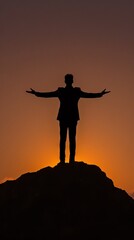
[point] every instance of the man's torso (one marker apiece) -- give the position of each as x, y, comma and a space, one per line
69, 98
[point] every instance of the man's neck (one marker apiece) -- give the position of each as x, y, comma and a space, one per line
68, 86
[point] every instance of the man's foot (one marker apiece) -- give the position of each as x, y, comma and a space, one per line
61, 163
71, 161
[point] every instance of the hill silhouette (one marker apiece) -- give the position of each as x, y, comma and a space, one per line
67, 201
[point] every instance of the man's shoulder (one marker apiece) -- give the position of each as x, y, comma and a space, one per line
60, 88
61, 91
77, 88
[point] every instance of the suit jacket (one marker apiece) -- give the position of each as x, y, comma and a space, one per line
69, 97
68, 110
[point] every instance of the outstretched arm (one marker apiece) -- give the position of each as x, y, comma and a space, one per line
93, 95
43, 94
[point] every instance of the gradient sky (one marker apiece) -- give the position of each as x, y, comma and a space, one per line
41, 41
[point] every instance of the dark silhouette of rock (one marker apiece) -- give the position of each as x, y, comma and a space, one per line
68, 201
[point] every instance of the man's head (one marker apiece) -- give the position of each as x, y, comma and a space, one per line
68, 79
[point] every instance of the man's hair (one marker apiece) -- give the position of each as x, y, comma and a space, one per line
68, 78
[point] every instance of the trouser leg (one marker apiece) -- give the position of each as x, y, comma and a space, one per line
63, 136
72, 141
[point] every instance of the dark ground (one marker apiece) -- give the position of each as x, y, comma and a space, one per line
65, 202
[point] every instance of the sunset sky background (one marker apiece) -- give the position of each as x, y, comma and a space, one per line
41, 41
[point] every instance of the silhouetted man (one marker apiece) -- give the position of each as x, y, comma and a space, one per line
68, 112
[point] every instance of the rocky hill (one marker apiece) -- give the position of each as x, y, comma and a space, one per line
65, 202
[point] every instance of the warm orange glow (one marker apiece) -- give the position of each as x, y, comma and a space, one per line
95, 44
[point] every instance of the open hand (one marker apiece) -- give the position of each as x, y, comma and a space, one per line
105, 92
32, 91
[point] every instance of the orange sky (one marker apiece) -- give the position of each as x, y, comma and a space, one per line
41, 41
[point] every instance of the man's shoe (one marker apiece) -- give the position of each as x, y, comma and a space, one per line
71, 161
